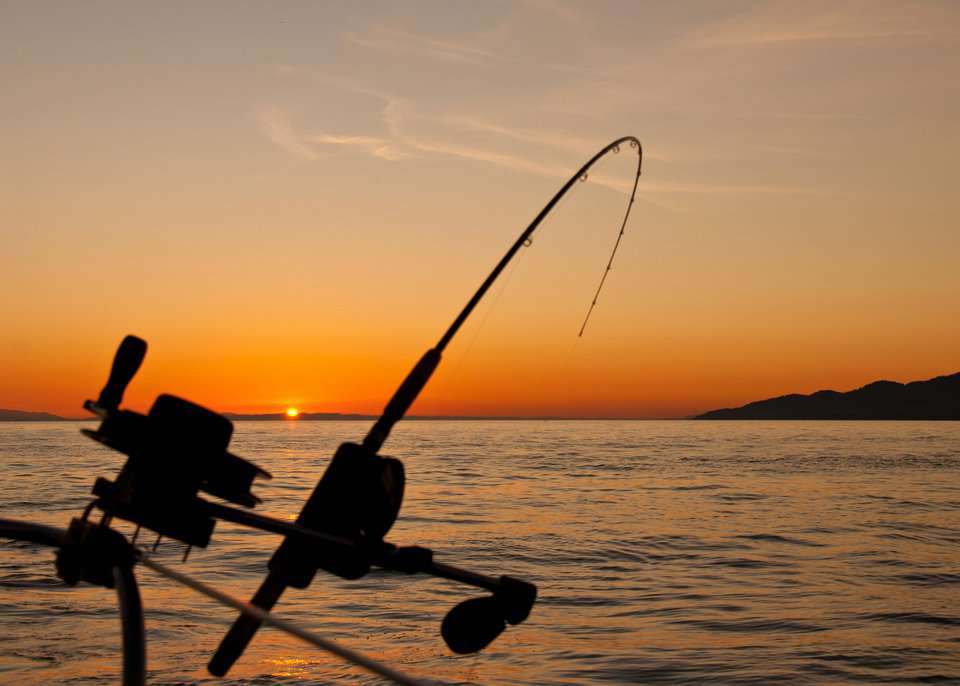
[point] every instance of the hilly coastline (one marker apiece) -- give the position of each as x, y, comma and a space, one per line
934, 399
23, 416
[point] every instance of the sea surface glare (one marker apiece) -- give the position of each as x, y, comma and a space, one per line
674, 552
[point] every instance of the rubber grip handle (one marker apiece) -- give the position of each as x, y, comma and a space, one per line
243, 630
402, 399
126, 362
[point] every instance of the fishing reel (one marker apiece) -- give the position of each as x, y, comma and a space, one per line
358, 498
173, 452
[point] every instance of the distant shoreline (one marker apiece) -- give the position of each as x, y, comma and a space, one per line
936, 399
24, 416
354, 418
364, 418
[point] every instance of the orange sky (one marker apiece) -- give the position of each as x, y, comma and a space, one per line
291, 204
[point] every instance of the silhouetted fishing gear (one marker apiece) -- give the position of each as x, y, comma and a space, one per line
360, 494
177, 453
174, 453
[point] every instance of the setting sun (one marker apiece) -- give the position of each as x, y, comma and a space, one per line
293, 412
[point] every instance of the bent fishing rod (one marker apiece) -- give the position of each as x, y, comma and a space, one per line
180, 449
294, 565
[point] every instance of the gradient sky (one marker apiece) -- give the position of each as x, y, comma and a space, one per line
290, 201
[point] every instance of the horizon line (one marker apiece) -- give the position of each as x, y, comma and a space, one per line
339, 416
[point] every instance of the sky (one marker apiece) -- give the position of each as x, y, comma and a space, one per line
291, 201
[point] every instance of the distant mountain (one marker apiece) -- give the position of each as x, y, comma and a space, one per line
937, 398
21, 416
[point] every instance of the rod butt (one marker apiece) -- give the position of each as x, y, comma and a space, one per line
243, 630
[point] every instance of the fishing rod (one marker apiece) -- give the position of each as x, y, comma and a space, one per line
179, 450
380, 480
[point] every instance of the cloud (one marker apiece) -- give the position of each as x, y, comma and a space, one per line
477, 154
810, 22
398, 112
549, 139
378, 147
554, 140
409, 130
275, 125
401, 141
722, 189
398, 41
771, 36
558, 9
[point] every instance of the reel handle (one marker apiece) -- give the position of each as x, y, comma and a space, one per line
126, 362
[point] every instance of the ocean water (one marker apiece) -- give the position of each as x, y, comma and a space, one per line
673, 552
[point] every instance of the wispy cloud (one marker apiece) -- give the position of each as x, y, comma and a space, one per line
621, 184
720, 189
275, 125
400, 141
625, 185
397, 114
404, 42
773, 36
477, 154
549, 139
565, 12
378, 147
812, 22
407, 130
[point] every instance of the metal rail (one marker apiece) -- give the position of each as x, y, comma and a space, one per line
131, 606
133, 630
32, 533
128, 596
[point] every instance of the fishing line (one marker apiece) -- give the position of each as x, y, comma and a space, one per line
613, 253
526, 237
458, 364
502, 288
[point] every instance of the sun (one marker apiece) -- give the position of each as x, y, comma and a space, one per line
293, 412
